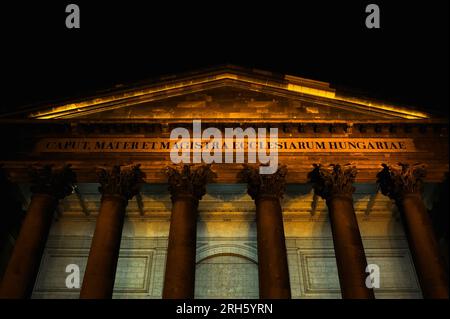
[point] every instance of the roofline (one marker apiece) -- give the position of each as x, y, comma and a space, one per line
435, 121
289, 83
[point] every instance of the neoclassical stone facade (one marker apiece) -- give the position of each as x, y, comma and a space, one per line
357, 184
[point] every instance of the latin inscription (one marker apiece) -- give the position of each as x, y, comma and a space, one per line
121, 144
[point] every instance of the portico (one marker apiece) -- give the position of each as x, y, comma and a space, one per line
105, 195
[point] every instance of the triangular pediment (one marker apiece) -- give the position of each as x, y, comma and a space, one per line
227, 93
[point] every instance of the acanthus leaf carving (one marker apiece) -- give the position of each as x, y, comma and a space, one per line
189, 180
260, 185
396, 182
122, 180
333, 180
54, 181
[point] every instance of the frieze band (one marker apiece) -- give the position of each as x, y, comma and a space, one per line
122, 144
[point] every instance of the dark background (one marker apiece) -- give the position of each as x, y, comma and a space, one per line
406, 61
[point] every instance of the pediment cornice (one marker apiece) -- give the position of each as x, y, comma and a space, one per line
276, 85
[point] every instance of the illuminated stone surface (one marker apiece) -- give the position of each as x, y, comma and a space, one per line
301, 109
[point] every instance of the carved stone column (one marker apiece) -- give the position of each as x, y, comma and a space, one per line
187, 186
267, 190
404, 185
118, 185
335, 185
49, 185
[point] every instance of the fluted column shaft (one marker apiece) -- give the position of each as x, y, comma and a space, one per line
267, 190
48, 186
335, 185
118, 185
404, 185
187, 186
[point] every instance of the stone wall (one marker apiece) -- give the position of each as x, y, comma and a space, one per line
226, 244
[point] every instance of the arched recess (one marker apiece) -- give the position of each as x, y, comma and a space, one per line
226, 271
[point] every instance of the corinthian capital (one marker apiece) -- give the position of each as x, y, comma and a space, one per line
54, 181
404, 179
189, 180
333, 180
263, 185
122, 180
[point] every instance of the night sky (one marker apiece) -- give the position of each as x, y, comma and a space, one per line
406, 61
